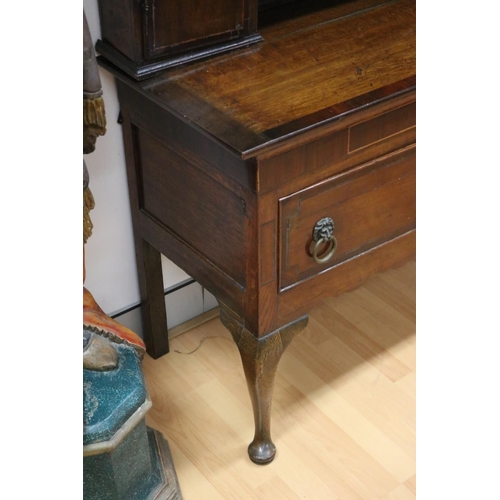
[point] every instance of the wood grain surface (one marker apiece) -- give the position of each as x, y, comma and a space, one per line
334, 52
343, 412
368, 206
310, 73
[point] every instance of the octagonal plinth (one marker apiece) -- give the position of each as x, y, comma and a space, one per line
123, 458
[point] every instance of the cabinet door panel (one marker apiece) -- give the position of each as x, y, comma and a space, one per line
171, 25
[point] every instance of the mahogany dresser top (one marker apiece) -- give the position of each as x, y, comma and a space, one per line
309, 70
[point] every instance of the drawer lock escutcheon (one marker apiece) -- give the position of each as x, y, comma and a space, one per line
323, 233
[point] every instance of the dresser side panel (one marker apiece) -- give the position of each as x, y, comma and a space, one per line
200, 211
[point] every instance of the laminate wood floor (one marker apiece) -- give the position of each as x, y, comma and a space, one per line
343, 410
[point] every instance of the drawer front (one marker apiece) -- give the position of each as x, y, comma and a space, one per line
368, 205
359, 138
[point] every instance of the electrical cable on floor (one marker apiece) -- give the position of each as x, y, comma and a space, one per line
201, 343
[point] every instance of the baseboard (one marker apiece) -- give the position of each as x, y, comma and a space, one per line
193, 323
188, 305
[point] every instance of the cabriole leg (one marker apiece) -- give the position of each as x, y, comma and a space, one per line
260, 359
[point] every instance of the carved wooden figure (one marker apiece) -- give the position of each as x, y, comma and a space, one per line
123, 458
95, 321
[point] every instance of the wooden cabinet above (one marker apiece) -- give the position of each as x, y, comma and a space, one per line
143, 37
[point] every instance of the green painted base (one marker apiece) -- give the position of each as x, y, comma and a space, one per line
169, 488
139, 468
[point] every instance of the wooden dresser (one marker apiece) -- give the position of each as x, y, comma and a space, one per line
276, 174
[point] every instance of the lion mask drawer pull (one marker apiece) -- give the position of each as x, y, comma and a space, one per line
323, 233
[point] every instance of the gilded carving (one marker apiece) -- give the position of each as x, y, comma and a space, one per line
100, 331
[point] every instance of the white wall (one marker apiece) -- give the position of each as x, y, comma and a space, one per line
110, 259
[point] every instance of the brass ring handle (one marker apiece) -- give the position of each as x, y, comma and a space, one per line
329, 255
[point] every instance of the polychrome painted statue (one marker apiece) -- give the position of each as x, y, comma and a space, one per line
123, 458
99, 330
